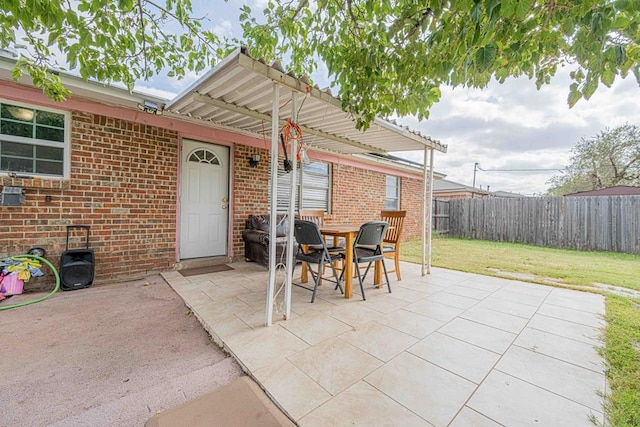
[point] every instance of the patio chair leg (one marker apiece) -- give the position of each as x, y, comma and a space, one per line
360, 279
315, 281
396, 259
386, 276
338, 279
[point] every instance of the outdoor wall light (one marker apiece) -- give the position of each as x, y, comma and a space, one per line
151, 107
254, 160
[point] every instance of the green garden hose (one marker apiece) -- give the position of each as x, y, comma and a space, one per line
55, 272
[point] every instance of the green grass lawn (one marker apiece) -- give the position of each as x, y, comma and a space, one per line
622, 334
571, 267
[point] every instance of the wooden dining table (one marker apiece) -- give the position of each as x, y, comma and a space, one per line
349, 232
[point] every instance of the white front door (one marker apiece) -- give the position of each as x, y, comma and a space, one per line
204, 200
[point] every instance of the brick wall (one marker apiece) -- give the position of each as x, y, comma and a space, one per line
370, 190
250, 193
358, 195
411, 201
123, 184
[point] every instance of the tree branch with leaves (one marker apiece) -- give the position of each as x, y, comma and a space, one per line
385, 57
392, 57
610, 158
115, 41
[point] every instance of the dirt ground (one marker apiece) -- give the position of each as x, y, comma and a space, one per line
108, 355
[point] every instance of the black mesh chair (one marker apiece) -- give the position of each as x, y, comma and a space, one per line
313, 250
367, 248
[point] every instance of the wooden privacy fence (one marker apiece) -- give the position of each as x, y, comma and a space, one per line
605, 223
441, 216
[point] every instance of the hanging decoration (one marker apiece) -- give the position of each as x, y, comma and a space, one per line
291, 131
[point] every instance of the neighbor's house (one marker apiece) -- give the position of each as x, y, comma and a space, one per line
135, 167
618, 190
444, 189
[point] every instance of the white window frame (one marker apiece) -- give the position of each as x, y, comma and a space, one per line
65, 145
392, 197
302, 187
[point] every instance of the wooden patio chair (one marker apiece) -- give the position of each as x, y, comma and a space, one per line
391, 248
317, 217
314, 215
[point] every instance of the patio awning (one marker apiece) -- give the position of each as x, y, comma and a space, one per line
244, 94
238, 93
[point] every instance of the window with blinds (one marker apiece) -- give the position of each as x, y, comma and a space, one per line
313, 187
392, 200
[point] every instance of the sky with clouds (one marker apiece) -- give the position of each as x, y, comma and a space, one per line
519, 136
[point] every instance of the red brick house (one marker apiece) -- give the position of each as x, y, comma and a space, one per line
127, 164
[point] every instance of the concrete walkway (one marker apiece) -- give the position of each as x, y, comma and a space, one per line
105, 356
447, 349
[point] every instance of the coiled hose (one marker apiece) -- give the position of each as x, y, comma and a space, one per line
55, 289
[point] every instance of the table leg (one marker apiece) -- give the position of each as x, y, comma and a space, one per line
348, 267
377, 273
304, 275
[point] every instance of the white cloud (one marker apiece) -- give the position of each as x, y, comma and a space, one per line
223, 29
515, 126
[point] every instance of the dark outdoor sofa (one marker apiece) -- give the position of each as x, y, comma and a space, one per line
256, 238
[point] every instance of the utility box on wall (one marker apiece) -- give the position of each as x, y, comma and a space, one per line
12, 196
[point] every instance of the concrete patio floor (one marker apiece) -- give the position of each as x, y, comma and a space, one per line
446, 349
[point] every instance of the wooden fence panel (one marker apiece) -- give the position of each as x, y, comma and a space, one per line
441, 216
604, 223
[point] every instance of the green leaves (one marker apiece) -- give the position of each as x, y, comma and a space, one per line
574, 95
523, 8
485, 56
386, 57
118, 41
476, 13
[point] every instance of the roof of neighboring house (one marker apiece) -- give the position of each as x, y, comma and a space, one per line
618, 190
501, 193
446, 186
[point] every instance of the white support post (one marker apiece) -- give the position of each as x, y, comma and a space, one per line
424, 212
430, 210
273, 211
292, 208
427, 202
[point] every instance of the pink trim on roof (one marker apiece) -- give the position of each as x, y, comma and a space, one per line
187, 129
